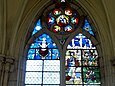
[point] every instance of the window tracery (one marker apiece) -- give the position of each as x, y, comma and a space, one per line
43, 64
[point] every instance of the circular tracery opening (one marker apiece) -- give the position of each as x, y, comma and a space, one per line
63, 21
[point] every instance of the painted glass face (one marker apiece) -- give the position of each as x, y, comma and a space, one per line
81, 63
43, 62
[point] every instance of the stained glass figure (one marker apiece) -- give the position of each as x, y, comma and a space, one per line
43, 63
73, 69
88, 28
81, 63
37, 28
62, 20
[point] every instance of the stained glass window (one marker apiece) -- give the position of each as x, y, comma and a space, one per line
37, 28
43, 63
81, 64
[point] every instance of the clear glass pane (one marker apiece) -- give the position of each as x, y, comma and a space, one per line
51, 85
33, 78
51, 65
32, 85
74, 85
51, 78
34, 65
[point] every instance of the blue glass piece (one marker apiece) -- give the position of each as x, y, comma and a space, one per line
37, 57
37, 28
55, 54
68, 28
88, 28
76, 41
78, 75
34, 45
31, 51
30, 56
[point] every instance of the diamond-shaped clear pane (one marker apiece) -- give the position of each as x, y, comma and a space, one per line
51, 85
33, 78
51, 78
51, 65
34, 65
32, 85
74, 85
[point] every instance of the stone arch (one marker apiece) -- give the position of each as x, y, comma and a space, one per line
99, 35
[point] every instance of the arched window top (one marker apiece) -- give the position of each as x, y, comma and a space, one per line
43, 46
81, 42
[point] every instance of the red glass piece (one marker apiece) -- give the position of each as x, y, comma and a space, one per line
68, 12
43, 53
68, 78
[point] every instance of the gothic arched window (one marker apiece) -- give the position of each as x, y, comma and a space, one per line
62, 53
